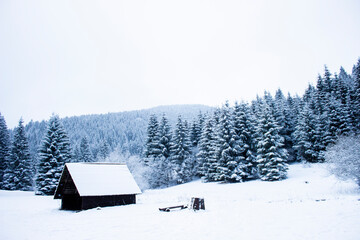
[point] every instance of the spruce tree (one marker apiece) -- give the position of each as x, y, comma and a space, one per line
104, 150
340, 122
244, 131
341, 87
328, 82
292, 113
271, 156
321, 97
201, 122
84, 151
180, 153
19, 174
310, 97
355, 94
194, 134
206, 154
228, 156
164, 136
152, 147
54, 152
160, 164
4, 148
323, 135
307, 143
282, 114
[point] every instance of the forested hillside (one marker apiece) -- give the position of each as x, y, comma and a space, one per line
124, 131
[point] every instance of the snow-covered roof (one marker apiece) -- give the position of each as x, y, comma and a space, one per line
99, 179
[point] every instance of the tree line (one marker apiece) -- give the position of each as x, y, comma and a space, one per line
19, 172
256, 140
44, 147
230, 144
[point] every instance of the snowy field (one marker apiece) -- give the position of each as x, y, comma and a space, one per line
310, 204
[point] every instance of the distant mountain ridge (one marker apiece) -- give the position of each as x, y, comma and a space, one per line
123, 130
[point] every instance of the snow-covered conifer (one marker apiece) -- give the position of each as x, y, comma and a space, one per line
356, 94
160, 175
152, 147
340, 122
271, 156
321, 97
244, 131
180, 151
228, 162
328, 81
307, 140
4, 148
195, 132
206, 154
164, 137
19, 174
84, 151
104, 150
283, 116
53, 154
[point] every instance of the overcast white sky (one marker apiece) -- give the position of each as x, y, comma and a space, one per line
75, 57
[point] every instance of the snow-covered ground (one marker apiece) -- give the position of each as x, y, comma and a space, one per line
310, 204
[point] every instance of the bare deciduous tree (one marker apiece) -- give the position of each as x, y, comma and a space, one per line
344, 157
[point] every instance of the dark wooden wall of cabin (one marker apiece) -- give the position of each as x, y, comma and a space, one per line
104, 201
71, 202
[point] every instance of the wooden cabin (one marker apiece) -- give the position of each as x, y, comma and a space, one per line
89, 185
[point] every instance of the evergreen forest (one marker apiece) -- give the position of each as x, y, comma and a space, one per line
170, 145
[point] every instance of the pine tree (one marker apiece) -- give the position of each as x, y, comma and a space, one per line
339, 120
84, 151
206, 154
269, 100
322, 110
201, 122
271, 156
356, 94
53, 154
282, 114
160, 164
294, 106
152, 147
4, 148
308, 145
310, 97
341, 86
104, 150
227, 152
328, 83
195, 134
19, 175
180, 153
164, 137
214, 164
321, 97
244, 131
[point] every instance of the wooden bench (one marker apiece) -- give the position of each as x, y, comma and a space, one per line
167, 209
